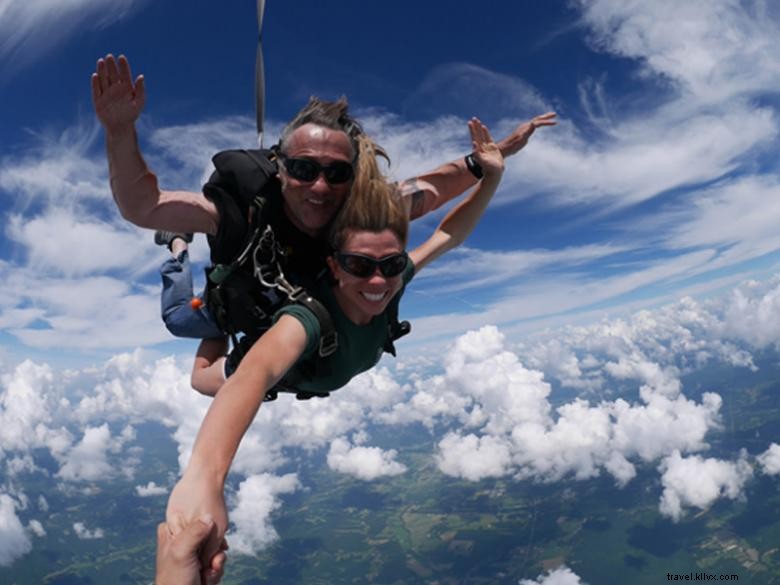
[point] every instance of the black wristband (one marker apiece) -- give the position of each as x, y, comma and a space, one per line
473, 166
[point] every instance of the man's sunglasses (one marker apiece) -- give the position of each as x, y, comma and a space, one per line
365, 266
307, 170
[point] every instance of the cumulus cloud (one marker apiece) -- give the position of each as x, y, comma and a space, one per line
88, 459
14, 541
488, 407
366, 463
150, 489
28, 409
256, 500
770, 460
36, 528
753, 313
698, 482
474, 458
559, 576
517, 432
83, 533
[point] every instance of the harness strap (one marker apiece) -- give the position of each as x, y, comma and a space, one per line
395, 329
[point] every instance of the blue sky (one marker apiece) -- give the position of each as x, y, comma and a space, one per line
660, 180
632, 243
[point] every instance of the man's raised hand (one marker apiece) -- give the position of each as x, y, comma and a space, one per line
519, 137
118, 99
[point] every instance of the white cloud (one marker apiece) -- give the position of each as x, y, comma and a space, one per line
366, 463
26, 27
770, 460
61, 242
474, 458
36, 528
713, 50
20, 464
695, 481
753, 313
516, 431
559, 576
88, 459
14, 541
27, 411
193, 145
643, 158
488, 407
256, 500
150, 489
468, 268
88, 313
58, 170
83, 533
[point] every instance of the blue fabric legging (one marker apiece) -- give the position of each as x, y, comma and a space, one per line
177, 312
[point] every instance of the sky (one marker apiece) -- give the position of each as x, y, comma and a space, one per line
643, 225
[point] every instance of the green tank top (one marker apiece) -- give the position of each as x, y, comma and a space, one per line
359, 346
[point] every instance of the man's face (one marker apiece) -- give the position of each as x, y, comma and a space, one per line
311, 205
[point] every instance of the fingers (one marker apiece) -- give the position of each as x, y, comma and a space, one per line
212, 546
214, 573
124, 70
195, 533
96, 91
107, 73
112, 70
479, 133
140, 91
548, 119
102, 76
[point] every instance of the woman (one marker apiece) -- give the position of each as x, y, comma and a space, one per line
369, 267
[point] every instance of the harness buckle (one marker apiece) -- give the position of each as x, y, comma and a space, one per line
328, 344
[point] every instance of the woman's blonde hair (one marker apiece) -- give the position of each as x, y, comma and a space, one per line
373, 204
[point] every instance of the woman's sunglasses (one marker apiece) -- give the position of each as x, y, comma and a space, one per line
365, 266
307, 170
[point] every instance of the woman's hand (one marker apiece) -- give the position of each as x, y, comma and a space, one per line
118, 100
194, 497
486, 151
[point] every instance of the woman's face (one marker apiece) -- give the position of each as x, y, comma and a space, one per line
366, 297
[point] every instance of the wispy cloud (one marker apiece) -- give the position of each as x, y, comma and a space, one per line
711, 50
29, 29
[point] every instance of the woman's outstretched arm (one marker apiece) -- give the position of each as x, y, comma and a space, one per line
200, 490
459, 223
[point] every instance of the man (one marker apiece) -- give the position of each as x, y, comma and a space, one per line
309, 205
315, 167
